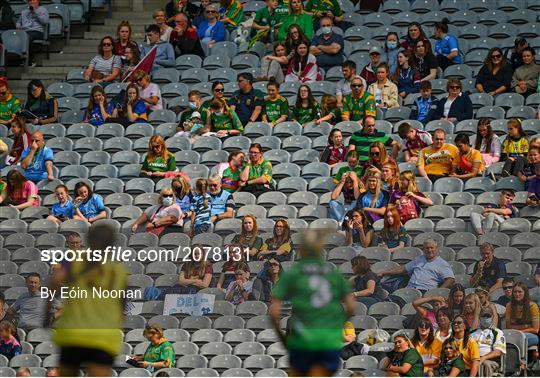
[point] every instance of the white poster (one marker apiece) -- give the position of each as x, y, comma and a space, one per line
192, 304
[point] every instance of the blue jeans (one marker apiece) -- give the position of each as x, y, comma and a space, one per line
337, 210
532, 339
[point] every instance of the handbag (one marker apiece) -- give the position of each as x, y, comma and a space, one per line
157, 230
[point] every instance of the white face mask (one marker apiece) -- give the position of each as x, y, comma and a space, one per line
167, 201
486, 322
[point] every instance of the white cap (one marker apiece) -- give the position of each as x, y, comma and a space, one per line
374, 49
195, 115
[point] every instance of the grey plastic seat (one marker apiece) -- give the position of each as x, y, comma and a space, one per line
140, 130
59, 144
259, 362
235, 143
284, 170
12, 225
438, 212
87, 144
257, 129
508, 100
271, 373
270, 199
122, 158
292, 184
245, 61
110, 130
448, 185
184, 62
228, 322
282, 211
295, 143
139, 185
195, 171
116, 144
161, 116
277, 156
321, 185
287, 129
68, 104
509, 183
204, 144
92, 159
194, 75
514, 226
103, 171
362, 362
491, 112
522, 112
305, 156
165, 76
214, 157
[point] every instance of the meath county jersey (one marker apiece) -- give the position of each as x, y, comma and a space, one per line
316, 290
274, 109
359, 108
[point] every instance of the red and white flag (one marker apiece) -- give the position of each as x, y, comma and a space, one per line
145, 64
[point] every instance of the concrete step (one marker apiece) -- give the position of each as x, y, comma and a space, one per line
73, 56
52, 76
80, 49
96, 36
72, 63
40, 72
134, 22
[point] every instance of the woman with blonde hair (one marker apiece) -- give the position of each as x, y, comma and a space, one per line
159, 160
390, 176
160, 19
159, 354
158, 217
471, 310
375, 199
184, 195
280, 244
404, 360
249, 236
408, 197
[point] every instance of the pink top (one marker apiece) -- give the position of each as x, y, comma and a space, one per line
21, 196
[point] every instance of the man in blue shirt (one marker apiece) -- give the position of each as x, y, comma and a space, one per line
37, 160
222, 202
165, 51
246, 101
328, 46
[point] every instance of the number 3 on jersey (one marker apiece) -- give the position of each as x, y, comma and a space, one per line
322, 295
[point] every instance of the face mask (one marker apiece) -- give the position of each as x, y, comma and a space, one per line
326, 29
167, 201
391, 45
219, 114
192, 105
486, 322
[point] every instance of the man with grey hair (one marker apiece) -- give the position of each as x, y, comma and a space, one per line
491, 344
426, 272
490, 271
222, 202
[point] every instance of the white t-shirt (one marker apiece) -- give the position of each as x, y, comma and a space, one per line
447, 106
484, 338
151, 91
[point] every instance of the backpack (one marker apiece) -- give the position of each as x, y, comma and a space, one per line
407, 209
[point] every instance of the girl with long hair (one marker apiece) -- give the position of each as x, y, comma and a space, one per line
377, 157
9, 343
409, 198
276, 107
427, 345
295, 36
22, 139
390, 176
455, 299
514, 148
89, 206
275, 66
487, 142
159, 160
452, 364
133, 108
124, 40
249, 236
335, 151
19, 192
227, 270
306, 109
303, 66
280, 244
468, 347
41, 104
330, 111
240, 289
393, 235
200, 208
444, 321
358, 230
105, 67
486, 305
404, 360
374, 200
63, 209
407, 76
495, 76
365, 283
132, 58
223, 120
471, 310
218, 93
195, 274
97, 110
297, 15
415, 33
390, 51
522, 313
447, 45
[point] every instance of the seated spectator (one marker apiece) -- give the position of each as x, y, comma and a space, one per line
377, 158
428, 271
321, 9
343, 87
22, 139
515, 58
393, 235
408, 198
53, 372
452, 364
525, 77
425, 61
362, 140
444, 322
471, 164
200, 12
240, 289
297, 15
490, 271
358, 105
471, 310
494, 214
485, 304
306, 109
160, 20
195, 274
438, 160
173, 7
526, 175
23, 372
133, 58
415, 33
265, 22
37, 160
224, 121
365, 283
160, 352
495, 76
508, 288
514, 148
63, 209
369, 72
404, 360
200, 208
9, 345
97, 109
6, 16
522, 313
303, 65
125, 41
249, 237
533, 193
74, 241
276, 107
194, 106
457, 106
447, 45
436, 303
227, 271
231, 13
9, 104
41, 104
183, 194
427, 345
358, 231
256, 177
335, 151
31, 307
211, 30
491, 344
267, 278
295, 36
33, 20
275, 66
105, 67
352, 165
467, 345
330, 111
390, 176
165, 52
132, 110
19, 191
230, 176
218, 93
407, 76
487, 142
280, 245
328, 46
184, 38
383, 90
161, 217
88, 205
221, 201
158, 160
414, 141
390, 52
350, 187
150, 92
349, 333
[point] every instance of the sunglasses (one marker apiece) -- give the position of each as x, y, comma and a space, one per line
106, 44
459, 322
374, 153
424, 326
219, 90
454, 87
211, 11
508, 287
496, 56
168, 196
356, 85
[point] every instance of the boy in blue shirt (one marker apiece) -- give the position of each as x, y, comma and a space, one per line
424, 108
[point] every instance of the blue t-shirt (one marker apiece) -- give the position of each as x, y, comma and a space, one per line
184, 203
202, 214
67, 210
95, 118
92, 207
446, 45
365, 201
220, 202
427, 275
36, 170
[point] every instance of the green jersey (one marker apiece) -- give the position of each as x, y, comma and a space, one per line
186, 115
324, 6
162, 352
274, 109
304, 20
358, 169
359, 108
264, 18
411, 357
160, 165
230, 179
282, 10
226, 121
235, 13
316, 289
304, 115
9, 108
336, 116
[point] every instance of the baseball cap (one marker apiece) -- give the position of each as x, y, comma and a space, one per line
374, 49
195, 115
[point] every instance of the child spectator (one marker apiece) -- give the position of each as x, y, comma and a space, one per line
393, 235
447, 45
514, 149
22, 140
63, 209
306, 108
329, 110
494, 214
240, 289
9, 345
533, 193
276, 107
223, 120
350, 187
132, 110
407, 76
335, 151
9, 104
89, 206
424, 108
191, 128
437, 302
408, 198
358, 230
527, 173
200, 208
195, 274
470, 162
508, 287
19, 192
374, 200
96, 111
487, 142
164, 50
414, 141
390, 176
352, 165
227, 271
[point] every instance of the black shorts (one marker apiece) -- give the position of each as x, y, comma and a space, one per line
303, 360
76, 356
